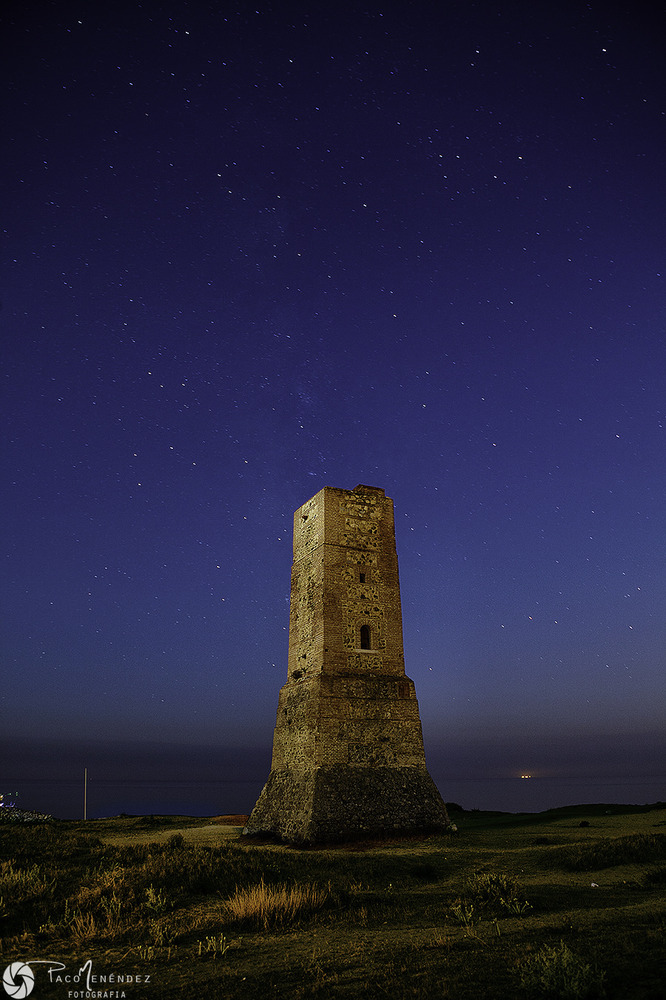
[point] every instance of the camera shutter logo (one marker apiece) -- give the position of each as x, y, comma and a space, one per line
18, 980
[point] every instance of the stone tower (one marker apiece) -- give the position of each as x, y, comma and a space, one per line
348, 758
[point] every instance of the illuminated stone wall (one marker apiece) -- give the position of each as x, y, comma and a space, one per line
347, 711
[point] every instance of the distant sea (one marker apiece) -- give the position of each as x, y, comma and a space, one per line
145, 779
65, 798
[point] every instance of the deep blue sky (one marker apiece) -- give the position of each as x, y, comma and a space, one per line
252, 251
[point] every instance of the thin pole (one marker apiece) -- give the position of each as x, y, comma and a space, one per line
85, 793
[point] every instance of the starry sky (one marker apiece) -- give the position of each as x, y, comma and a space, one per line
253, 250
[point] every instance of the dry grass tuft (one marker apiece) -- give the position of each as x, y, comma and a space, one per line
265, 905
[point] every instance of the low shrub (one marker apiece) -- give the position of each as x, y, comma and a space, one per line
558, 972
497, 892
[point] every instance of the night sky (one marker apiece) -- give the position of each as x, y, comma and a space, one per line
253, 251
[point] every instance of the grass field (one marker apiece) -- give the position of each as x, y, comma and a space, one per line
567, 903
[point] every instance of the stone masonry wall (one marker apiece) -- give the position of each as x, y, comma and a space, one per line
344, 576
347, 707
344, 704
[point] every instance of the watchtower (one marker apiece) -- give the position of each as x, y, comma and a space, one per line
348, 758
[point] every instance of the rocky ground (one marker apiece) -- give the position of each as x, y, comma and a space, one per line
12, 814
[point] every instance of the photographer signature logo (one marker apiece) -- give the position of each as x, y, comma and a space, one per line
18, 980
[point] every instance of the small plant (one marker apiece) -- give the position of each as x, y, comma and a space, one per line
161, 933
110, 877
497, 892
516, 907
156, 900
155, 953
83, 927
215, 945
57, 926
558, 972
464, 913
358, 887
112, 907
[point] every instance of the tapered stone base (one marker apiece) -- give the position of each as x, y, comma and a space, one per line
327, 804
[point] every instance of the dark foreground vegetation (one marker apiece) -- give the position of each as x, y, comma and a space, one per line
569, 903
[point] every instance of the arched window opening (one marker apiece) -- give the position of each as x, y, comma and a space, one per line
365, 637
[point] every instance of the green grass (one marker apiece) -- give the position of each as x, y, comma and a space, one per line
521, 906
609, 852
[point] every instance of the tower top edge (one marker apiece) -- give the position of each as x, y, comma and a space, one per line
376, 491
361, 488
